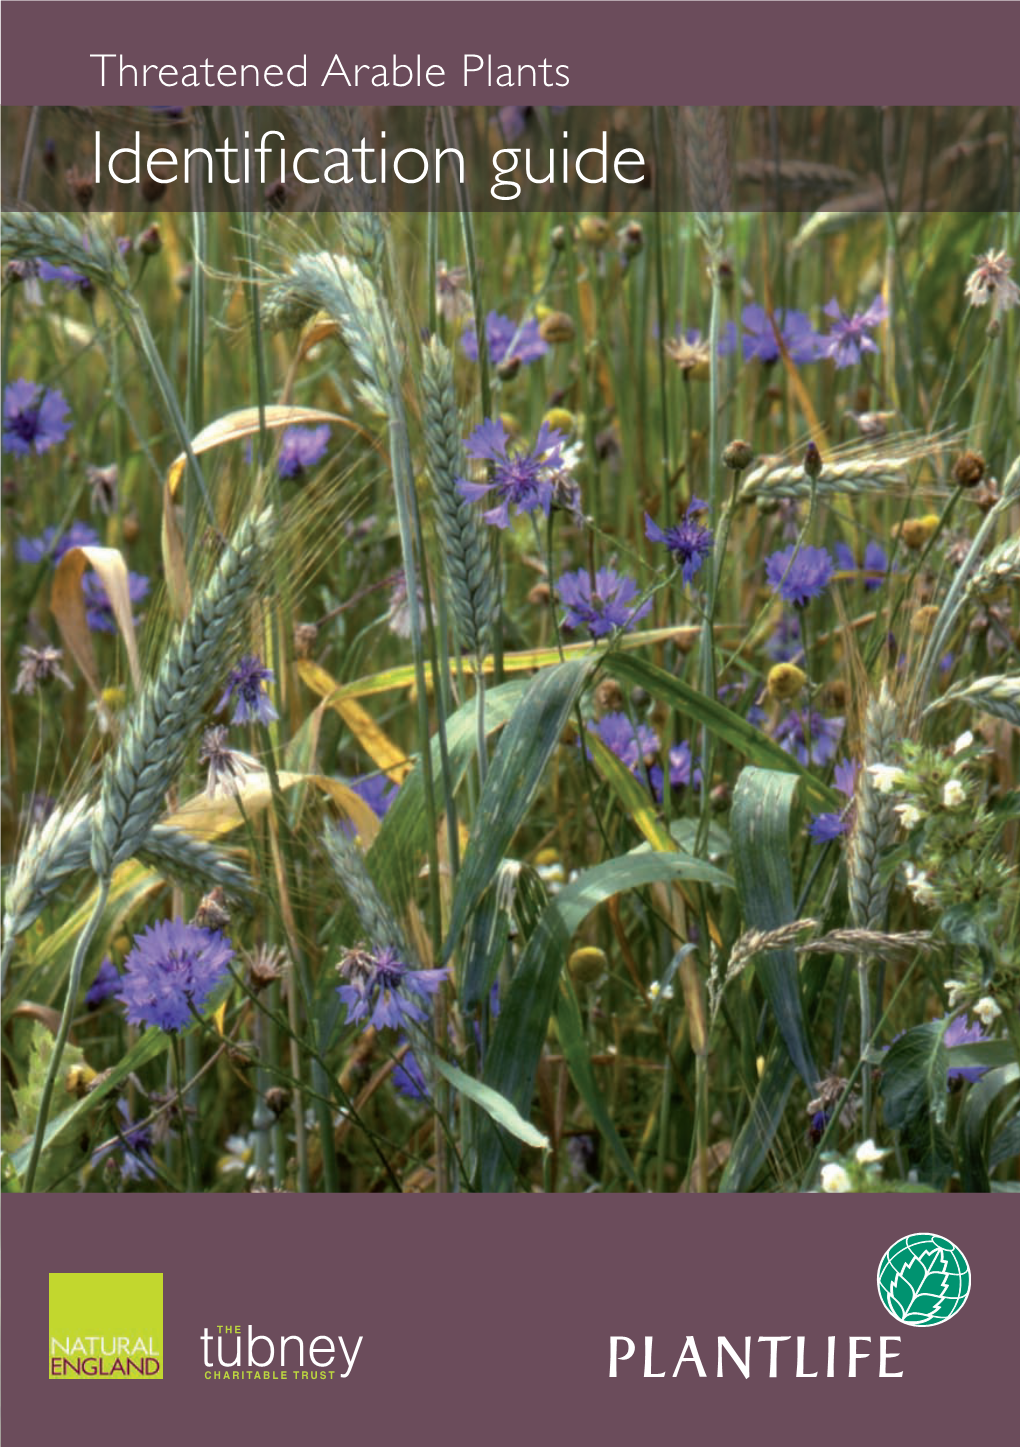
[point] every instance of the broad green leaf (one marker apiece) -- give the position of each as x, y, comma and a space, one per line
529, 741
1006, 1144
516, 892
914, 1076
524, 1016
978, 1122
496, 1106
396, 856
760, 830
721, 721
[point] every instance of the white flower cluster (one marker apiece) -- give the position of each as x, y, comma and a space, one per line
836, 1179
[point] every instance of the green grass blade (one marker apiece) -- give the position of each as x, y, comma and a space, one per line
496, 1106
760, 828
759, 1130
523, 1020
514, 775
570, 1028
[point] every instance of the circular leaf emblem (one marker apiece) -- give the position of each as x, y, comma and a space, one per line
923, 1280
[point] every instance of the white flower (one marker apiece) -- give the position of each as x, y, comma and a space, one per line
655, 990
919, 885
987, 1011
868, 1154
909, 815
956, 991
886, 777
963, 742
835, 1178
990, 281
954, 794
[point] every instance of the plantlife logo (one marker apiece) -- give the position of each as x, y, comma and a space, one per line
106, 1326
923, 1280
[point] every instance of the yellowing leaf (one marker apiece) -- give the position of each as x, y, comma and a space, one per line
376, 743
68, 605
174, 566
207, 818
245, 423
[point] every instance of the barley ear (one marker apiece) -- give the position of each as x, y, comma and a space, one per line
377, 919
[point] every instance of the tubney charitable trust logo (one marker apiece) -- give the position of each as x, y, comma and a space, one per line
923, 1280
106, 1326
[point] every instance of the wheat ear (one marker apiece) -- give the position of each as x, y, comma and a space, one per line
168, 711
467, 553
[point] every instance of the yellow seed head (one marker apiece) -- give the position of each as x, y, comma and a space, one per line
785, 681
560, 420
924, 619
915, 532
557, 327
587, 965
596, 230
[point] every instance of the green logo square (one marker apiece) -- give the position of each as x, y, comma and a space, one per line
106, 1326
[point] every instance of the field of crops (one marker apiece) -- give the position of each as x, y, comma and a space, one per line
522, 700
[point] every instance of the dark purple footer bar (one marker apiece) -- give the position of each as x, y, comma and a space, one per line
503, 1319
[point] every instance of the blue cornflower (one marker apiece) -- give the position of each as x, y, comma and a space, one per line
106, 983
35, 418
824, 828
99, 610
688, 542
300, 448
521, 479
960, 1032
171, 972
785, 644
800, 339
408, 1076
799, 574
246, 689
135, 1142
631, 744
378, 793
605, 607
850, 337
816, 1129
69, 279
809, 736
845, 775
500, 334
682, 770
53, 546
383, 991
874, 565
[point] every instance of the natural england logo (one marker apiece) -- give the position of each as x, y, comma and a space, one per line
923, 1280
106, 1326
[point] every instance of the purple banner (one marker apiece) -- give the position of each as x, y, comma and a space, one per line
533, 53
512, 1315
